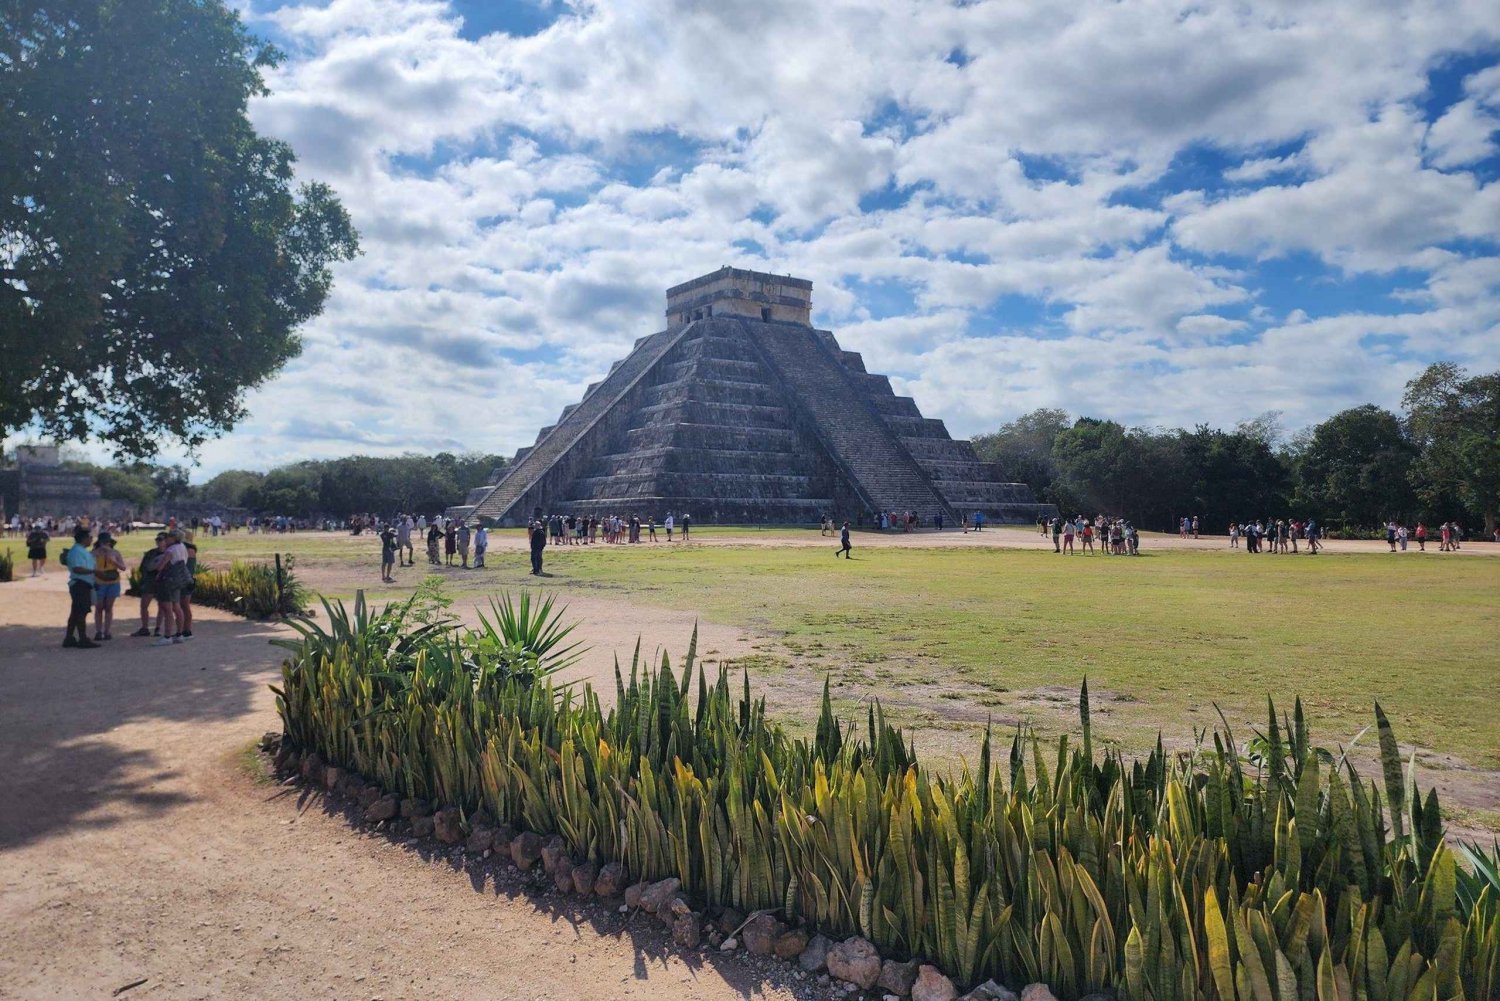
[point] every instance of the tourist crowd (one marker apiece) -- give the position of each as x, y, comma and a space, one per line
1101, 534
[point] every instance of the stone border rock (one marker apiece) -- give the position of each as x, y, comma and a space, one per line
852, 968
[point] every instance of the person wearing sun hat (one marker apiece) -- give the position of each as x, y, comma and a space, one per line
107, 566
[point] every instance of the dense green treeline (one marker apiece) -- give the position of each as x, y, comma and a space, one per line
1357, 469
354, 484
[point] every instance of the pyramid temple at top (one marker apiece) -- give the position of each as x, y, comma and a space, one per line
741, 413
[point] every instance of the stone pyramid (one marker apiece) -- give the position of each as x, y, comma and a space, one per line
741, 413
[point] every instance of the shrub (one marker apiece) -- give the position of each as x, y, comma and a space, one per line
7, 567
1207, 874
248, 589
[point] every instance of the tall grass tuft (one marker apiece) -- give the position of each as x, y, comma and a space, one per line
249, 589
7, 566
1273, 872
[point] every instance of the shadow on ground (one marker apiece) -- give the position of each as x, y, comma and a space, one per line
497, 876
60, 706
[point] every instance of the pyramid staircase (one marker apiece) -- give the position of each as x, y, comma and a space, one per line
745, 415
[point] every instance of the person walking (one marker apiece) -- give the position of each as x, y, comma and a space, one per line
107, 566
1057, 527
668, 524
481, 543
80, 564
844, 547
434, 536
36, 549
537, 537
450, 542
405, 552
463, 544
1421, 536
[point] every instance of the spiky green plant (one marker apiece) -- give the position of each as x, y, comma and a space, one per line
7, 566
1275, 875
248, 589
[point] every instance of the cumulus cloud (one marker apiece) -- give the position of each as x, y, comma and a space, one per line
1003, 205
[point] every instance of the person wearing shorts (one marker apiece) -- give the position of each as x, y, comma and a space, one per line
185, 606
150, 564
80, 564
172, 578
388, 548
108, 563
36, 549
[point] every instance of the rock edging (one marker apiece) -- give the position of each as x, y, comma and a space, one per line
847, 967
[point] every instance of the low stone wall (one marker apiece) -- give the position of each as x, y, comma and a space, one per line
852, 968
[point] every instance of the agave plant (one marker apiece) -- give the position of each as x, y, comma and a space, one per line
1280, 874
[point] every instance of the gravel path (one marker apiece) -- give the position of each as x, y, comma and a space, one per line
135, 844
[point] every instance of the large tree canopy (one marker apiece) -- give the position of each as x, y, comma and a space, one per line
1353, 468
1454, 421
155, 260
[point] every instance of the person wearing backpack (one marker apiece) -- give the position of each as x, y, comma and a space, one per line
150, 566
80, 564
172, 580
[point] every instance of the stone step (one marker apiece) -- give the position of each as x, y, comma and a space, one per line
835, 409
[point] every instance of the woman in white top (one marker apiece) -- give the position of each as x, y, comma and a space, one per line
172, 577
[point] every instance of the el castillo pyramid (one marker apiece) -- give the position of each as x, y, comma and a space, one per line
741, 413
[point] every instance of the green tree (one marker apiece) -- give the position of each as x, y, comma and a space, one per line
128, 483
233, 487
155, 261
171, 482
290, 490
1454, 421
1353, 469
1022, 449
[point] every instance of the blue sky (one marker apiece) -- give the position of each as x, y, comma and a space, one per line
1164, 213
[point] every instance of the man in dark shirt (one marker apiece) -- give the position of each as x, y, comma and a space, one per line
388, 554
844, 546
150, 564
537, 531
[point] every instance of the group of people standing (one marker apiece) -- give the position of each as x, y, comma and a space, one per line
1450, 536
578, 530
95, 567
1111, 536
450, 540
1282, 535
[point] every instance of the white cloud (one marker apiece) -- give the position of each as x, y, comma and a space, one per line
524, 201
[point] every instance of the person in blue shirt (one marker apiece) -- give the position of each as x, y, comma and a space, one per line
80, 564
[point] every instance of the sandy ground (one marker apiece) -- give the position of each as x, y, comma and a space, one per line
134, 843
1007, 537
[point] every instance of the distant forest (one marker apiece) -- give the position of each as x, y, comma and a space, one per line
1437, 461
356, 484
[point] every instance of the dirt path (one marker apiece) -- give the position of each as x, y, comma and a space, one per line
134, 844
1002, 537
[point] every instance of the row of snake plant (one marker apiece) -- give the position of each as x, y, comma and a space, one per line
1271, 871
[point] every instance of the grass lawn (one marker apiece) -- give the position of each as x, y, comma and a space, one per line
952, 636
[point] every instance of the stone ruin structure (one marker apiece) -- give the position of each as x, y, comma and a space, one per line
44, 487
740, 412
